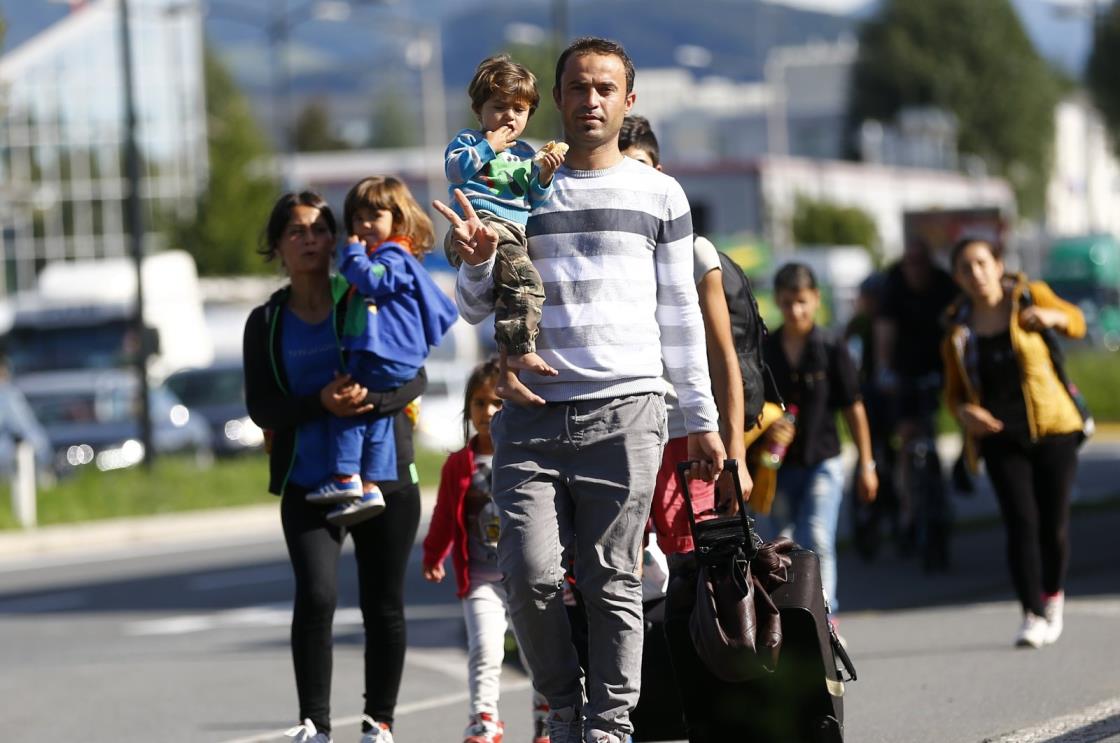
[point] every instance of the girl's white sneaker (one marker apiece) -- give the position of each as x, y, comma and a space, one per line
1054, 607
1033, 632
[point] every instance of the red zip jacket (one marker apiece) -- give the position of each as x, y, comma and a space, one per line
447, 531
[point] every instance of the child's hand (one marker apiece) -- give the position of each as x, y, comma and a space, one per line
355, 239
548, 164
501, 138
434, 573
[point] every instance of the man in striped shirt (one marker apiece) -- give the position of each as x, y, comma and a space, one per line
574, 478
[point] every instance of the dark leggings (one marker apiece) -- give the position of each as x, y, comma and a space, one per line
381, 548
1033, 483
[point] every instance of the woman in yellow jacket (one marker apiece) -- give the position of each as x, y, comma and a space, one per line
1002, 386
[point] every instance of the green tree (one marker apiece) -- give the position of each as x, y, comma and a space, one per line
1103, 70
541, 60
825, 223
973, 58
394, 122
237, 199
313, 131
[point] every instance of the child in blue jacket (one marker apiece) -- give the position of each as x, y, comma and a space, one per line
386, 337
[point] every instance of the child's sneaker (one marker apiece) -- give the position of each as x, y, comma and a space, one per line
1053, 606
540, 722
358, 510
306, 733
378, 732
338, 489
483, 728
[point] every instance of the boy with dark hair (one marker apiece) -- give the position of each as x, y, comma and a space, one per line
504, 179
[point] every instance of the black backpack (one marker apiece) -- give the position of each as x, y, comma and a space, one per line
748, 329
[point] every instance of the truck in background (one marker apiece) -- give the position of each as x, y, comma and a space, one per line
80, 316
1086, 271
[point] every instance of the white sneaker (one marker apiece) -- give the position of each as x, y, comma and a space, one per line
306, 733
1054, 606
1034, 631
378, 732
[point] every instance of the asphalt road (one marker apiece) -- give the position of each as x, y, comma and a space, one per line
189, 642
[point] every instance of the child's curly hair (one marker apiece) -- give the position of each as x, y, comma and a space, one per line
501, 76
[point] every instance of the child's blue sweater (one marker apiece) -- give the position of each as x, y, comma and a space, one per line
503, 183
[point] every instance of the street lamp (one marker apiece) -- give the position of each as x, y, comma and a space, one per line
135, 219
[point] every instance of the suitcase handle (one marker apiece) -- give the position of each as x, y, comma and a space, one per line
729, 465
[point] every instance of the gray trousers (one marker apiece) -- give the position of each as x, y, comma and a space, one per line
575, 481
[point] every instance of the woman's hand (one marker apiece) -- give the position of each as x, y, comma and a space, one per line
1040, 318
344, 397
474, 241
434, 573
977, 421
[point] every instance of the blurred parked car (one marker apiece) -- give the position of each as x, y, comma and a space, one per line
217, 394
91, 419
18, 423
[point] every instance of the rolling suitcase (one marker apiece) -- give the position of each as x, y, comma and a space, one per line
801, 700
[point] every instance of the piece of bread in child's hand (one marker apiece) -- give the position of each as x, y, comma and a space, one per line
560, 148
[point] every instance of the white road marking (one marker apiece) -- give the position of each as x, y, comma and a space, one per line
410, 708
1090, 725
269, 615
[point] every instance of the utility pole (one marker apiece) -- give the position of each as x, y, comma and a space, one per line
135, 219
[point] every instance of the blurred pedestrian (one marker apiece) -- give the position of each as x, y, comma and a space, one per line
1004, 384
293, 385
907, 379
465, 524
814, 372
574, 478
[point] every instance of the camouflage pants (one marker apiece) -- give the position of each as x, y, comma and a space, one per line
518, 291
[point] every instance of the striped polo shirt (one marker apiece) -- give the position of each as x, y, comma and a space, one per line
614, 250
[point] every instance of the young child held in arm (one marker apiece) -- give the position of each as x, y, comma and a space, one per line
386, 335
504, 179
465, 525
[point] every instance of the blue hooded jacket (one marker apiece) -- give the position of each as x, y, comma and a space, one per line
405, 312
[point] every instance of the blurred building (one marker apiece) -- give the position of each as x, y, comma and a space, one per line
62, 162
1083, 195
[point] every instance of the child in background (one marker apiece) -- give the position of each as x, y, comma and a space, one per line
387, 337
465, 524
814, 371
504, 179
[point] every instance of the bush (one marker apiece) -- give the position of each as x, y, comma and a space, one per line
826, 223
1095, 373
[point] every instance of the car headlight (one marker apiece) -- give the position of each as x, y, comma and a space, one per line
79, 454
129, 453
244, 432
179, 416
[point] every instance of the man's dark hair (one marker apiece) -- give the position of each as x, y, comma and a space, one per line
636, 132
595, 45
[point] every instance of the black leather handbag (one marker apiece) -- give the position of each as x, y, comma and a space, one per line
735, 626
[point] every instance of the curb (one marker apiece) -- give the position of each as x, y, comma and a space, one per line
237, 523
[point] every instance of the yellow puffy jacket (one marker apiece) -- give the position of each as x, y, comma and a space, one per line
1050, 409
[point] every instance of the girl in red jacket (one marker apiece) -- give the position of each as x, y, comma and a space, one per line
465, 524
